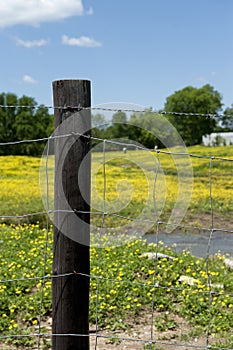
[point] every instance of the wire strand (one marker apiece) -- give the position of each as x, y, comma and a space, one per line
116, 110
208, 290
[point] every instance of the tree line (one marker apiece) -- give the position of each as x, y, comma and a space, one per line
23, 119
201, 113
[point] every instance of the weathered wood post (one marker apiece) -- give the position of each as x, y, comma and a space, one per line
71, 215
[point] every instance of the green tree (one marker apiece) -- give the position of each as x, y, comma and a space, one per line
98, 120
21, 119
153, 129
98, 131
142, 127
119, 128
227, 119
7, 121
32, 124
204, 100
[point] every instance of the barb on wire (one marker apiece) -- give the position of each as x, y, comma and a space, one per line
115, 110
119, 143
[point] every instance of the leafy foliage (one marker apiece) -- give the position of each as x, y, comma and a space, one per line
151, 129
23, 123
227, 119
204, 100
148, 128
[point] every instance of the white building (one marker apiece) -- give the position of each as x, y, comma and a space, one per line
218, 139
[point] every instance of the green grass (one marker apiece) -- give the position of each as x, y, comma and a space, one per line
126, 288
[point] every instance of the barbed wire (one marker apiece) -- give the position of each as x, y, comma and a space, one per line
118, 143
79, 108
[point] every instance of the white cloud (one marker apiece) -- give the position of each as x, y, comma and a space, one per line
33, 43
83, 41
34, 12
201, 79
29, 80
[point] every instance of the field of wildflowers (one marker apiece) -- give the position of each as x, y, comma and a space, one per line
128, 184
130, 286
125, 284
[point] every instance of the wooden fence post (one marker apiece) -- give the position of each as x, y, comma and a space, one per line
71, 254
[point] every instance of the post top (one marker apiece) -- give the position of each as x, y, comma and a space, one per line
70, 80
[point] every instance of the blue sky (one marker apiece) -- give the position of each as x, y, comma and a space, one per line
133, 51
